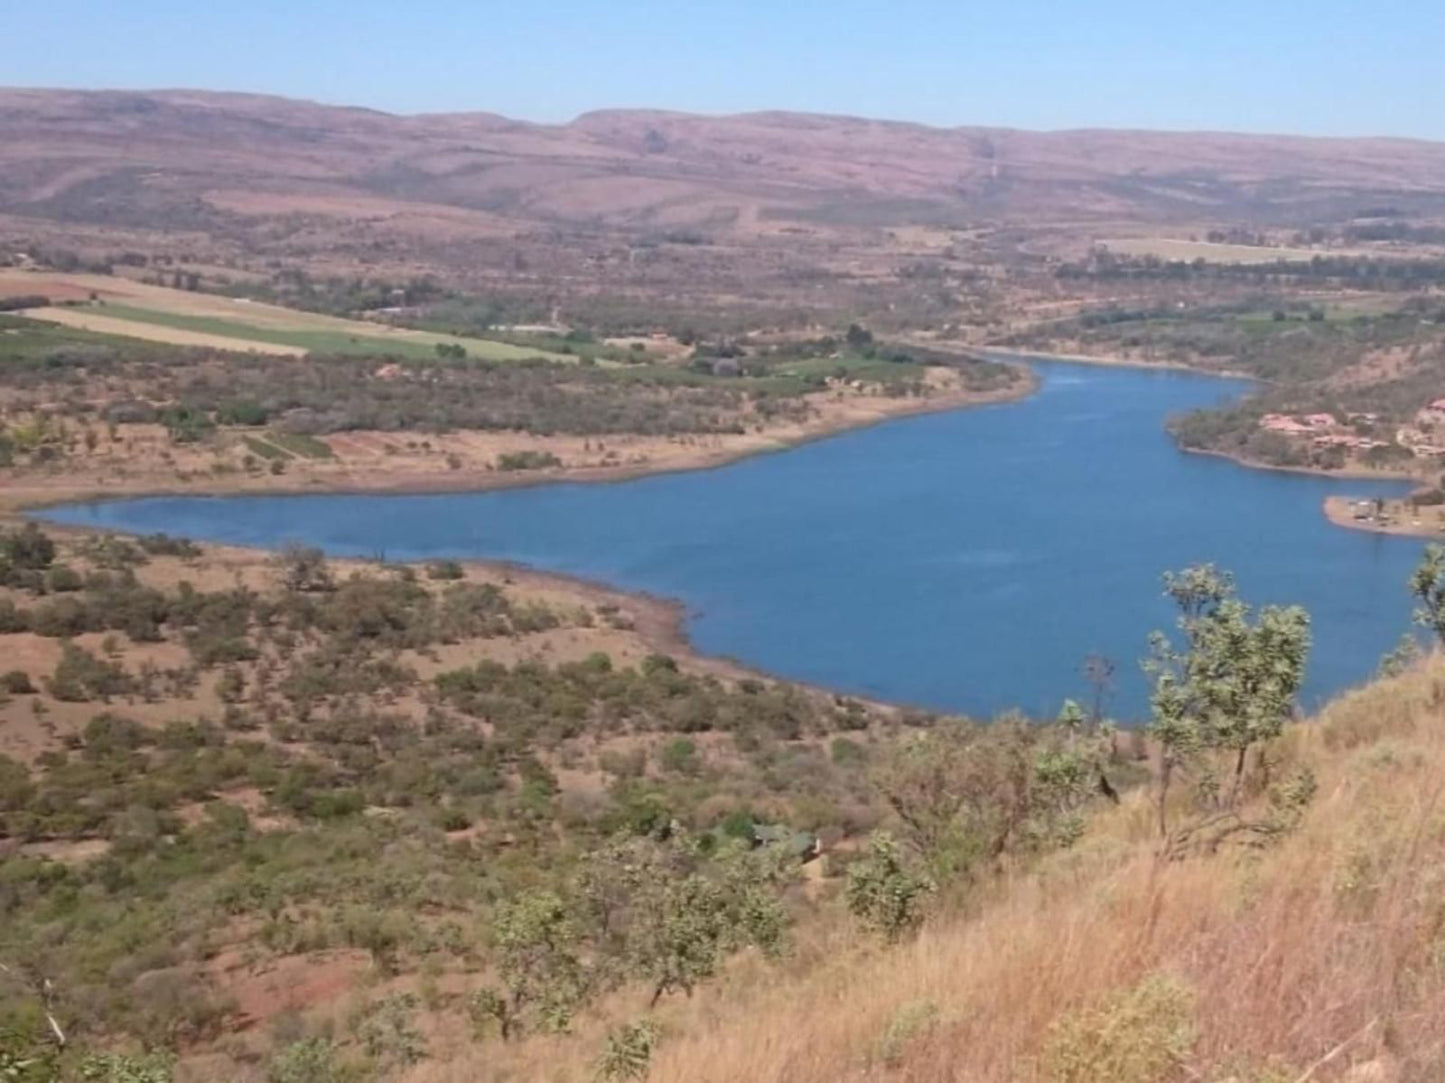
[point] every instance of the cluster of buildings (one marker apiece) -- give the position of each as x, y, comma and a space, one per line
1421, 438
1432, 415
1323, 430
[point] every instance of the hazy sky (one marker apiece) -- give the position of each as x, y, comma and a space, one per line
1314, 66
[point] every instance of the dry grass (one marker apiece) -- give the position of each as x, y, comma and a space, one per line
1169, 248
1305, 962
88, 319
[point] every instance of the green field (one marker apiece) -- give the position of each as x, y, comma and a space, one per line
323, 341
279, 445
24, 339
853, 367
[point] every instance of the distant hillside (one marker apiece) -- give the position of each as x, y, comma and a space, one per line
192, 159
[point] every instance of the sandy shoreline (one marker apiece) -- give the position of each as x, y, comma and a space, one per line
1411, 522
1004, 353
658, 621
40, 492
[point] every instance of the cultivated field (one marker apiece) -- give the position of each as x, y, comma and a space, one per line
121, 306
1169, 248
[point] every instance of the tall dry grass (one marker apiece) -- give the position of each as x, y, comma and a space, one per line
1303, 962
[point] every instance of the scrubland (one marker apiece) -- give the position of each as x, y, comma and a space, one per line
1319, 958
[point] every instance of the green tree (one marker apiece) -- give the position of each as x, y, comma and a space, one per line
538, 956
1229, 687
302, 569
965, 794
885, 891
29, 548
859, 338
1427, 585
684, 925
667, 911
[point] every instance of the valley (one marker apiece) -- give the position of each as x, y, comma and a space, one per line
649, 597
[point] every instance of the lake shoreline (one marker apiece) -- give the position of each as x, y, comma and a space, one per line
1002, 353
1355, 474
1338, 510
659, 621
20, 499
669, 623
662, 621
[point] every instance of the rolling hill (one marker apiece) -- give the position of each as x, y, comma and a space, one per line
209, 161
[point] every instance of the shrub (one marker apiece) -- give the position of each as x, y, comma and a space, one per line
163, 545
12, 618
1139, 1036
16, 682
60, 579
28, 547
389, 1034
80, 677
627, 1053
885, 893
679, 755
912, 1020
304, 570
313, 1060
126, 1068
527, 460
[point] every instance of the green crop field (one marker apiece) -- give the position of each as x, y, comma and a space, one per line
26, 339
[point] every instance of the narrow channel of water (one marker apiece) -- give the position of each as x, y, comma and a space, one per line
964, 561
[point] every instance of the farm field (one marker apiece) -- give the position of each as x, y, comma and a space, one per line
1168, 248
118, 306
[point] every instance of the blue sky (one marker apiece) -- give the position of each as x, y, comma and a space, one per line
1323, 67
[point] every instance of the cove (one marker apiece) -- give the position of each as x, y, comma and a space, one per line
964, 561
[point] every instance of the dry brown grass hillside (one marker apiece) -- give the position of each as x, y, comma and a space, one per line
1320, 959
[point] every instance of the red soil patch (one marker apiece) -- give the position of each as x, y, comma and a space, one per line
261, 991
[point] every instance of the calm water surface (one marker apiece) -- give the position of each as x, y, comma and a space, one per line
965, 561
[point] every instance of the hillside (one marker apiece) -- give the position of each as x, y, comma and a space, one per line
274, 819
1315, 960
146, 158
774, 210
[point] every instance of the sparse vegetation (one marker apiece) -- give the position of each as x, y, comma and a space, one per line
299, 819
386, 785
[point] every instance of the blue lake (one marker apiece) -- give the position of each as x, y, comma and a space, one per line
965, 561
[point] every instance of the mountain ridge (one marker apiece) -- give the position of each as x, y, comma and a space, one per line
775, 156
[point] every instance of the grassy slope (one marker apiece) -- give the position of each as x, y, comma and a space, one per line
1332, 942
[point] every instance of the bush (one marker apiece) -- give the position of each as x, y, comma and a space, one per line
1140, 1036
884, 892
16, 682
311, 1061
628, 1051
28, 547
125, 1068
62, 579
163, 545
527, 460
80, 677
